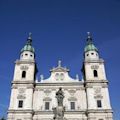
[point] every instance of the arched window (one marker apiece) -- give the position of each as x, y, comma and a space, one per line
23, 74
95, 73
61, 76
57, 76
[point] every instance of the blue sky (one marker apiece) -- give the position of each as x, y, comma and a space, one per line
59, 32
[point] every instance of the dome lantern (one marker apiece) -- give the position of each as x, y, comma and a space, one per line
90, 51
28, 52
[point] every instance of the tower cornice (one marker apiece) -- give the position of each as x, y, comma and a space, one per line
25, 62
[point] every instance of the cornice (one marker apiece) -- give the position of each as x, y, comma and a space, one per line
66, 112
24, 62
99, 111
60, 84
94, 61
96, 81
23, 82
20, 111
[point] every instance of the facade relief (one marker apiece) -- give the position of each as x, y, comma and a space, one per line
97, 93
21, 96
24, 67
21, 90
94, 67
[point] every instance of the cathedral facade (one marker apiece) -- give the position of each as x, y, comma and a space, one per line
86, 99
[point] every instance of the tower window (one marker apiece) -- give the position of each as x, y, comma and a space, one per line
95, 73
99, 103
47, 105
26, 54
87, 54
31, 55
23, 74
20, 103
92, 53
72, 105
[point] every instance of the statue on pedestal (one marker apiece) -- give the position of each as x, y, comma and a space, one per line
60, 96
59, 110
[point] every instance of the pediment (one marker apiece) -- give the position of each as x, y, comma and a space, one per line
59, 69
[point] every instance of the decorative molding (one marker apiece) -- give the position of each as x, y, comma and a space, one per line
18, 62
97, 90
24, 67
21, 96
47, 99
21, 90
47, 91
90, 111
30, 87
98, 97
23, 82
94, 67
72, 91
72, 99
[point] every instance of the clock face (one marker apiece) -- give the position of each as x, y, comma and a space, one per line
59, 76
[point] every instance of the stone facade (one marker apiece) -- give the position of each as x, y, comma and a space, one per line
86, 99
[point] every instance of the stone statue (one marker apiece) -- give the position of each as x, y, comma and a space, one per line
60, 96
58, 113
59, 110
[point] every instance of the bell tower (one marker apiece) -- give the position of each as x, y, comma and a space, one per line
96, 84
21, 101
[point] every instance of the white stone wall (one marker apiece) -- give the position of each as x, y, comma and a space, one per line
90, 66
20, 66
83, 93
75, 93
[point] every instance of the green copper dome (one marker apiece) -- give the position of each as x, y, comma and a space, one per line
90, 46
28, 46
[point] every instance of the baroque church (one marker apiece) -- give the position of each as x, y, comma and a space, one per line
60, 97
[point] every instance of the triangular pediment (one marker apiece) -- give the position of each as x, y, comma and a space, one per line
59, 69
